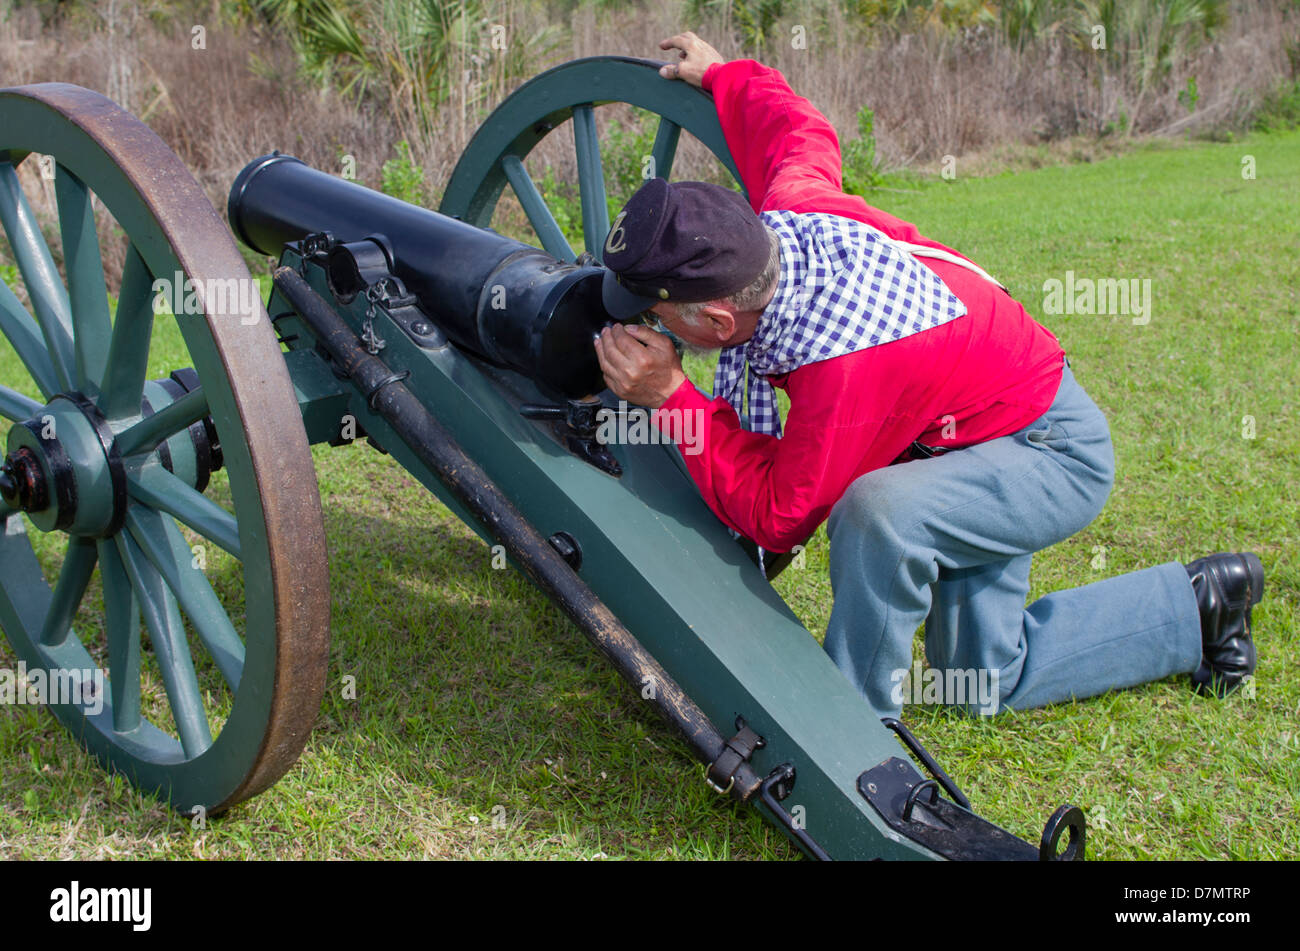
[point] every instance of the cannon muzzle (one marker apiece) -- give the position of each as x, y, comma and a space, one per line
505, 301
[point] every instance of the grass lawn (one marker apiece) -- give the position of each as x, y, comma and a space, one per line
485, 726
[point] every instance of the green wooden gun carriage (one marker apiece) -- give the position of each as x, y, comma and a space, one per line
485, 388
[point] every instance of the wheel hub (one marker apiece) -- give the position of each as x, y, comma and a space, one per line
195, 458
63, 470
22, 482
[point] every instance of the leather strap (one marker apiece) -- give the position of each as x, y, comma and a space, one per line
721, 773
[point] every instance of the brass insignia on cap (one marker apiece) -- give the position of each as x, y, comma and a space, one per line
617, 240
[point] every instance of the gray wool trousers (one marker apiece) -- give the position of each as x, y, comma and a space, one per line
948, 541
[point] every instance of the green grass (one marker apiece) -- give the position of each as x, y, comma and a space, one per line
475, 695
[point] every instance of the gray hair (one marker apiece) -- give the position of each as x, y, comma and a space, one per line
750, 297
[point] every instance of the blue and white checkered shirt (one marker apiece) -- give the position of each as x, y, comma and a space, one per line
844, 287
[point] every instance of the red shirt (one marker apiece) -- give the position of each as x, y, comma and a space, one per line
984, 375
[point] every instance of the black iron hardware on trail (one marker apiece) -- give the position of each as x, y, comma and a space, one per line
911, 805
577, 424
778, 785
921, 753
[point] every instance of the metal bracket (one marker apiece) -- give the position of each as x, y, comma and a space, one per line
363, 267
897, 792
870, 784
389, 294
778, 785
921, 753
316, 245
568, 548
1065, 818
577, 425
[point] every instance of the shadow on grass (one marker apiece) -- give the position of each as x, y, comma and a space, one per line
471, 684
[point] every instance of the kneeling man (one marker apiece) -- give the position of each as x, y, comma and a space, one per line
933, 421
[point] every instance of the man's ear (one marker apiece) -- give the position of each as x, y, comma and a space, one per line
721, 322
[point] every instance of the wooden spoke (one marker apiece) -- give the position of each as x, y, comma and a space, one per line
122, 630
539, 215
128, 349
158, 488
591, 180
87, 294
664, 150
163, 545
74, 576
145, 435
167, 634
44, 285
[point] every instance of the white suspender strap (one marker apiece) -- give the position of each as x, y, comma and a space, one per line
921, 251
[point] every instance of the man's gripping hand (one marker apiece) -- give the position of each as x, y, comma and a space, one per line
697, 57
640, 365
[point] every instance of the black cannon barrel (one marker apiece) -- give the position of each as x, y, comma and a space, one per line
511, 304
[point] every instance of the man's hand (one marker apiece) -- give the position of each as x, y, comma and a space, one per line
640, 365
697, 57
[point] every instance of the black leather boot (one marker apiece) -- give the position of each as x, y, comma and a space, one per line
1226, 587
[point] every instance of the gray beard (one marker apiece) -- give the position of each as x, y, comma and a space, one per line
699, 351
681, 344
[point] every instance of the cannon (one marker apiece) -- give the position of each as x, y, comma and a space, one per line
186, 414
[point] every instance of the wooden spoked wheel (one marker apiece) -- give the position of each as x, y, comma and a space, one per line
163, 557
571, 93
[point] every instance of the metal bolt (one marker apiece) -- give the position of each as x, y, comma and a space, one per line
8, 487
22, 482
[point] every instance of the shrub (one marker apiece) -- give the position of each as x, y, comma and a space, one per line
401, 178
861, 170
1280, 109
